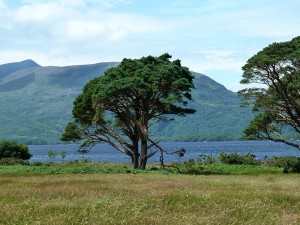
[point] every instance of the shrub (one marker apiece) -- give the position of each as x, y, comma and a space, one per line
290, 164
235, 158
191, 166
52, 154
37, 163
205, 159
13, 161
12, 149
80, 161
189, 163
192, 170
63, 155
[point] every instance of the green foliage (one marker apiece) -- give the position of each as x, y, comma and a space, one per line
52, 154
71, 133
37, 163
207, 164
119, 106
235, 158
277, 67
12, 149
191, 166
63, 155
13, 161
205, 159
290, 164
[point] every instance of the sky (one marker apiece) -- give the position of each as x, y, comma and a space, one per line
213, 37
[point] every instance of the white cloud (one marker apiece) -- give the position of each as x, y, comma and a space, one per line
41, 12
217, 59
64, 21
81, 30
207, 35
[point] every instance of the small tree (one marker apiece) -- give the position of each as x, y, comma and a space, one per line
52, 154
12, 149
277, 69
63, 155
120, 106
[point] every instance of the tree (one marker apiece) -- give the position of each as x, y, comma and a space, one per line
277, 101
12, 149
119, 107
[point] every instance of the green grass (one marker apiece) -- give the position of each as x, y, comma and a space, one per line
241, 169
114, 168
149, 199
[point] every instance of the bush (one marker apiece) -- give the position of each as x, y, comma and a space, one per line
52, 154
81, 161
205, 159
290, 164
191, 166
37, 163
235, 158
189, 163
12, 149
13, 161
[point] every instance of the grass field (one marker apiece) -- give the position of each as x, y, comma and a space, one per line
97, 198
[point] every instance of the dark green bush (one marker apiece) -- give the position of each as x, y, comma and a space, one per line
81, 161
290, 164
235, 158
13, 161
37, 163
194, 170
12, 149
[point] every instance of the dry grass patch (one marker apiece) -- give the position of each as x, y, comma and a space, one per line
149, 199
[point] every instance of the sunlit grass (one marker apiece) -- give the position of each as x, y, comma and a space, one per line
149, 199
114, 168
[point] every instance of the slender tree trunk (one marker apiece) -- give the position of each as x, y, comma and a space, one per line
144, 142
135, 162
135, 156
143, 156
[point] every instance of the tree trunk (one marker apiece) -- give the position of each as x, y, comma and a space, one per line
135, 156
135, 162
143, 156
143, 132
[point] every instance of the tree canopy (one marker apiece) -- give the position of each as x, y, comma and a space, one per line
12, 149
277, 101
120, 106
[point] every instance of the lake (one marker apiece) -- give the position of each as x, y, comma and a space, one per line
105, 153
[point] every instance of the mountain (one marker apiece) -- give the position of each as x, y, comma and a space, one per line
10, 68
218, 117
36, 104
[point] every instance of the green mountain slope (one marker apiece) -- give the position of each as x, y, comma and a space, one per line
36, 104
218, 117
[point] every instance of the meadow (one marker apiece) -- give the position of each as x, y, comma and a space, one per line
106, 195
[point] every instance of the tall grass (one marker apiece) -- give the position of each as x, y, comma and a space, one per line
149, 199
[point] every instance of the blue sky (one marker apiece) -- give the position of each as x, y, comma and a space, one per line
214, 37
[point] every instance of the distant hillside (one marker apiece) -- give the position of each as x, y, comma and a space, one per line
218, 117
10, 68
36, 104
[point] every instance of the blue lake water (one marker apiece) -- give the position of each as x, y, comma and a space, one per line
105, 153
